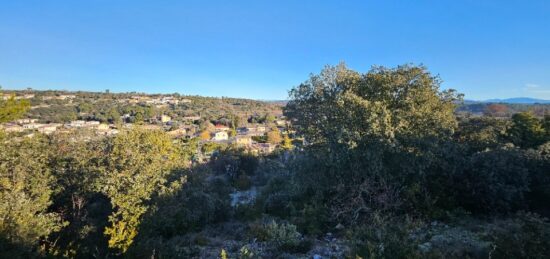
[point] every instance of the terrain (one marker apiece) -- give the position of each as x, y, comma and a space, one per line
376, 164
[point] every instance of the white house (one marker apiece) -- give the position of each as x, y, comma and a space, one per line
165, 118
26, 121
48, 128
12, 128
242, 140
220, 136
32, 125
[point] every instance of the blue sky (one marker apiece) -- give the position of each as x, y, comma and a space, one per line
260, 49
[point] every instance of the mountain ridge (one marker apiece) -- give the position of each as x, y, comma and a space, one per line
516, 100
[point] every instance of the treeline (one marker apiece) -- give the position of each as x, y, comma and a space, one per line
109, 107
503, 109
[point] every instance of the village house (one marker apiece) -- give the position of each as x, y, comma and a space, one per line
221, 127
220, 136
242, 140
40, 106
262, 148
82, 124
76, 124
151, 127
26, 96
169, 100
102, 127
177, 133
12, 128
48, 128
32, 125
191, 118
25, 121
281, 123
165, 118
60, 97
92, 123
250, 130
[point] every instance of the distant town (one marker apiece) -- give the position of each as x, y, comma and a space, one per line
258, 127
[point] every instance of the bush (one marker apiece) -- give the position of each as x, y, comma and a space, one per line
539, 179
247, 253
313, 219
494, 181
526, 236
275, 197
384, 239
283, 234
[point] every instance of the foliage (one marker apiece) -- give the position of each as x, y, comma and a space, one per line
496, 110
341, 106
12, 109
482, 133
385, 238
138, 166
26, 188
246, 253
283, 235
524, 236
274, 136
537, 162
205, 135
494, 181
383, 154
223, 254
527, 131
287, 142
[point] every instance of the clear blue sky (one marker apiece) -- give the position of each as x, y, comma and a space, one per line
260, 49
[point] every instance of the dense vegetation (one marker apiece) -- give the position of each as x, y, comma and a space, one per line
389, 170
109, 107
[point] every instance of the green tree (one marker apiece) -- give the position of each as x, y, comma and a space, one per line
26, 188
85, 107
287, 142
341, 106
270, 118
274, 136
139, 163
113, 116
12, 109
482, 133
75, 163
527, 131
232, 132
205, 135
369, 138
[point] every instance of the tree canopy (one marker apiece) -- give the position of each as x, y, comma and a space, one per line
393, 105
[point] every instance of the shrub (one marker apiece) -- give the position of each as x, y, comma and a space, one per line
275, 197
384, 239
526, 236
314, 218
494, 181
539, 179
283, 236
246, 253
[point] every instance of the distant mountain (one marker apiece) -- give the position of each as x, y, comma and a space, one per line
519, 100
